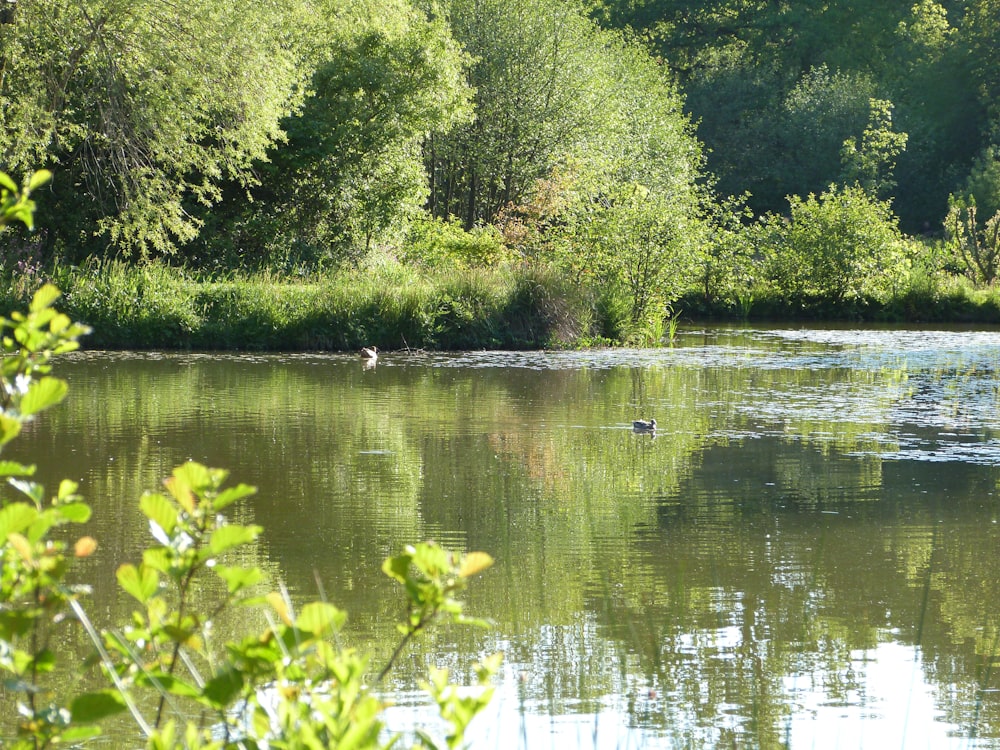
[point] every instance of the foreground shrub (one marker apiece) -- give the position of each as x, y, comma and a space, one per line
290, 686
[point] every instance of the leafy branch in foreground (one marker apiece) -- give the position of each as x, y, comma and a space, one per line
286, 687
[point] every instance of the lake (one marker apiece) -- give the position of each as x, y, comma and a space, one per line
805, 554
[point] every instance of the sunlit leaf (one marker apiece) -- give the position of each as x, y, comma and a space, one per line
67, 489
181, 493
15, 469
21, 545
44, 297
159, 510
397, 567
231, 494
320, 619
157, 559
169, 683
238, 578
38, 179
227, 537
278, 603
9, 428
31, 489
76, 735
42, 394
75, 512
474, 562
142, 582
16, 517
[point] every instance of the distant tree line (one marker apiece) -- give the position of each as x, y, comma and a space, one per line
640, 148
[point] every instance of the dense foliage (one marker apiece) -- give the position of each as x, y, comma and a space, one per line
643, 150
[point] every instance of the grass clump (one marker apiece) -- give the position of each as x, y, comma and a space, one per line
386, 303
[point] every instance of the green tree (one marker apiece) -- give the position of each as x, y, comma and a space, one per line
539, 98
146, 107
350, 172
822, 111
870, 160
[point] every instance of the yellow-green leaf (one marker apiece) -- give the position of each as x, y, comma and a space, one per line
160, 511
42, 394
44, 297
474, 562
15, 518
227, 537
142, 582
320, 619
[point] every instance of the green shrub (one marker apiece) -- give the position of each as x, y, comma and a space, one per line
440, 243
840, 246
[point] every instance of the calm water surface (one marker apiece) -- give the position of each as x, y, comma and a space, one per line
805, 555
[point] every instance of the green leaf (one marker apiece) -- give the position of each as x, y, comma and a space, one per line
31, 490
9, 428
238, 578
227, 537
44, 297
7, 183
76, 735
15, 518
142, 582
223, 687
14, 469
38, 179
197, 477
231, 494
169, 683
397, 567
320, 618
44, 661
160, 511
42, 394
157, 558
67, 490
96, 706
75, 512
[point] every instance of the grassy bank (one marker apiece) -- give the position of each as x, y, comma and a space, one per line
944, 299
157, 307
396, 307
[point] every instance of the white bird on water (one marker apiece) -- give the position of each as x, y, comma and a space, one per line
370, 353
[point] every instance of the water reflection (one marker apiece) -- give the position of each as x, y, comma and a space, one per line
804, 556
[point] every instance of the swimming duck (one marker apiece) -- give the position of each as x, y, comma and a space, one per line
641, 425
369, 352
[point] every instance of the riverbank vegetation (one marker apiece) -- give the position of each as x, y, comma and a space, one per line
500, 174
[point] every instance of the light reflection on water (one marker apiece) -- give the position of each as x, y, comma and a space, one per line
803, 555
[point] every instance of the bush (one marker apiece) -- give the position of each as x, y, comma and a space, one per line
843, 245
441, 243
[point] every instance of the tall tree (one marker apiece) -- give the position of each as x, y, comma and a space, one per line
534, 76
142, 108
351, 170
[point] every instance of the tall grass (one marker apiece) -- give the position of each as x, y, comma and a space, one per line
385, 304
396, 306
